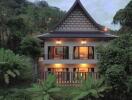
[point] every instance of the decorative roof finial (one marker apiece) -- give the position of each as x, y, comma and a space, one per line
77, 0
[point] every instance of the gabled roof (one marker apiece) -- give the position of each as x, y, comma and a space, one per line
79, 4
97, 33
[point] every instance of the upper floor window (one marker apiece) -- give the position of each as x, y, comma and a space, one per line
81, 52
58, 52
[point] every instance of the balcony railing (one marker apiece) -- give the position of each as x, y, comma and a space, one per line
69, 78
65, 57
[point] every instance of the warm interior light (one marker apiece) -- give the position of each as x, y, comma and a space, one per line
83, 42
83, 67
83, 52
58, 65
58, 42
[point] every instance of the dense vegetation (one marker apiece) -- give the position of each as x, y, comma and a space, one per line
124, 18
12, 67
20, 20
116, 58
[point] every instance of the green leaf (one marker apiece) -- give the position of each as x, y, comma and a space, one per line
17, 72
81, 95
6, 78
54, 89
9, 72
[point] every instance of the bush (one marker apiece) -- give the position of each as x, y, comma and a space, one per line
45, 90
116, 77
91, 89
12, 66
14, 94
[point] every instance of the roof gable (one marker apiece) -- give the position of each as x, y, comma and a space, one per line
77, 19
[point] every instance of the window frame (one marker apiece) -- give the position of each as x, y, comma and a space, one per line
64, 56
88, 50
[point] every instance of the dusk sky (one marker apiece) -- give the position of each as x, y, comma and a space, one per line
102, 11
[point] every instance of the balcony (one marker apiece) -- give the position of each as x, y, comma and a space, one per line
69, 78
72, 60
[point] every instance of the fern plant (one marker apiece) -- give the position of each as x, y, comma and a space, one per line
91, 89
11, 65
45, 90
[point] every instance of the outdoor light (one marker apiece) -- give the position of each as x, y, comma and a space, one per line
58, 65
105, 29
58, 42
83, 42
83, 65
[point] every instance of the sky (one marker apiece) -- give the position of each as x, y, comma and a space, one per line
102, 11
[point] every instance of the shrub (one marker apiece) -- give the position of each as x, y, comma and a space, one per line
91, 89
12, 66
45, 90
116, 77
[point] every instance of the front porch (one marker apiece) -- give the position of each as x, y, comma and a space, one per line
74, 79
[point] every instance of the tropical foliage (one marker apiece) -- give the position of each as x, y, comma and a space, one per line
91, 89
11, 65
19, 18
124, 18
14, 94
116, 77
45, 90
30, 46
115, 64
120, 52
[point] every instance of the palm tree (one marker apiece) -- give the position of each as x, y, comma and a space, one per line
45, 90
11, 65
91, 89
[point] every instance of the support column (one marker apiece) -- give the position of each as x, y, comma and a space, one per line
70, 52
71, 74
45, 73
46, 52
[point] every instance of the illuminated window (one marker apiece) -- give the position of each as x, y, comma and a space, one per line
58, 52
84, 52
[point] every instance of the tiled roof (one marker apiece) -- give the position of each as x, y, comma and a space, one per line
77, 19
77, 35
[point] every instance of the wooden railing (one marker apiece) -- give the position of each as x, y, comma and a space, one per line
69, 78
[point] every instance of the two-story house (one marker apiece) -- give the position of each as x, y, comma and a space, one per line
70, 46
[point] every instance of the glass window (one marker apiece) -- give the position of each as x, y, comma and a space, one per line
58, 52
84, 52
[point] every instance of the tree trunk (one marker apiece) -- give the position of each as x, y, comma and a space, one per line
35, 70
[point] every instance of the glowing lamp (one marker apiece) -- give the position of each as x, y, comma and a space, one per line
105, 29
58, 65
58, 42
83, 42
83, 65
